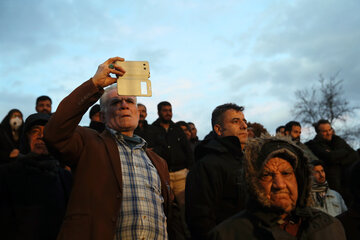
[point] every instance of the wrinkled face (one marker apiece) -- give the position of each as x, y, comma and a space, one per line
295, 133
142, 112
121, 113
326, 131
165, 113
319, 174
43, 107
234, 124
187, 132
279, 184
193, 130
36, 142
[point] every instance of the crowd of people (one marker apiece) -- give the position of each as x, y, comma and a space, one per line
123, 178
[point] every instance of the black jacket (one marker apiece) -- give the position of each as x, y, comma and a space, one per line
315, 225
213, 188
146, 132
172, 145
337, 156
34, 192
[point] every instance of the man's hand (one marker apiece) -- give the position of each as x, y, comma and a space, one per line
14, 153
102, 76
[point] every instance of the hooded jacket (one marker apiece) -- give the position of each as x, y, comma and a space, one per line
259, 220
213, 189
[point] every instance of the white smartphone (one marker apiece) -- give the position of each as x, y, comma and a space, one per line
135, 82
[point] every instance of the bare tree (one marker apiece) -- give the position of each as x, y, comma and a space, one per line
323, 102
326, 101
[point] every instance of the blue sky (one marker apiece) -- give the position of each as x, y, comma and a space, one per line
201, 53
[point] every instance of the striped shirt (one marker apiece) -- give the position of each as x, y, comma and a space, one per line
141, 215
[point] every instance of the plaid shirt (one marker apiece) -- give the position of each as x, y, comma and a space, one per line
141, 215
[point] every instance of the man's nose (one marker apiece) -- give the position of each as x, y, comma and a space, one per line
41, 134
278, 182
124, 103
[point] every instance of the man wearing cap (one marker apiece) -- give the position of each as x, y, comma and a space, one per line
121, 189
34, 189
277, 178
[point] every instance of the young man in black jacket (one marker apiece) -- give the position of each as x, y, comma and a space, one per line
169, 142
213, 187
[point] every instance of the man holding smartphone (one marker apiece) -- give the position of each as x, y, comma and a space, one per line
121, 189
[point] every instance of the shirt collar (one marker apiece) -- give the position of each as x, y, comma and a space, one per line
134, 141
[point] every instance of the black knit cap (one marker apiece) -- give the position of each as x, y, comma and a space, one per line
36, 119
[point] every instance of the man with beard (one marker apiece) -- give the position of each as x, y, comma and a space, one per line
34, 189
293, 130
213, 190
324, 198
43, 104
277, 178
170, 143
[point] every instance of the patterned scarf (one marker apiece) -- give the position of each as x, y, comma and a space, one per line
320, 190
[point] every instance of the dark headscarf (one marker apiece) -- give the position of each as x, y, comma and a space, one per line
6, 128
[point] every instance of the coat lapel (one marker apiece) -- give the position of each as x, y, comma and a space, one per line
113, 153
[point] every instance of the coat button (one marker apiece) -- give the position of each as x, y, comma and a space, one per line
113, 219
118, 195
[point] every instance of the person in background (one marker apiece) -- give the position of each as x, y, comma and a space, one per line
257, 128
336, 155
11, 130
34, 189
171, 143
96, 122
43, 104
280, 131
293, 131
143, 129
186, 128
194, 138
324, 198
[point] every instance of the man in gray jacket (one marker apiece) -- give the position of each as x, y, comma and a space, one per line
324, 198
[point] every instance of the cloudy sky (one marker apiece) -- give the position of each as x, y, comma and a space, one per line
201, 53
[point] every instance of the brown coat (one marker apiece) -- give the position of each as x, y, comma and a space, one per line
97, 191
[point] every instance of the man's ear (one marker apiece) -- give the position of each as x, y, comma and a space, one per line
287, 133
217, 129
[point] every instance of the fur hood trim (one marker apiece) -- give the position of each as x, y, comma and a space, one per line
258, 151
